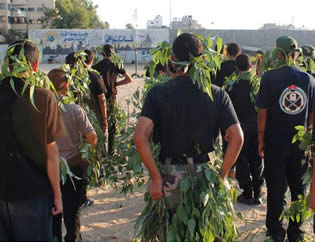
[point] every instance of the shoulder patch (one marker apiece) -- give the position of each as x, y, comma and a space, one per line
293, 100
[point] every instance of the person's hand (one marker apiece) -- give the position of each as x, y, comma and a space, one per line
57, 207
261, 150
156, 189
226, 183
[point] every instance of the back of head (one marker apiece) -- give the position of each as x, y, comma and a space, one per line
89, 57
70, 59
287, 43
242, 62
187, 45
59, 78
233, 49
31, 51
107, 50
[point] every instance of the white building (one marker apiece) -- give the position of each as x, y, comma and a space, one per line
186, 22
155, 23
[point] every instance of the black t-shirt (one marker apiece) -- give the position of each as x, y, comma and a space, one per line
185, 117
109, 71
227, 69
97, 87
244, 107
286, 93
26, 178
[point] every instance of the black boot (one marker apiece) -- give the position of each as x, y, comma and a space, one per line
257, 196
246, 197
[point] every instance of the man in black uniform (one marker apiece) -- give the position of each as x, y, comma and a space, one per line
228, 66
97, 102
110, 71
249, 165
182, 117
98, 90
284, 101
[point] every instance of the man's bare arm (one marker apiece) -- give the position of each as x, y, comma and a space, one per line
127, 79
261, 125
102, 107
53, 175
310, 118
141, 139
91, 138
235, 139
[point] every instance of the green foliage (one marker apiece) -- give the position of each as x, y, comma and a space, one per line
200, 68
205, 212
272, 60
254, 81
129, 26
299, 210
21, 68
66, 173
72, 14
79, 92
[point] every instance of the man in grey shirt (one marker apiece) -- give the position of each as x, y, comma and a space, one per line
77, 124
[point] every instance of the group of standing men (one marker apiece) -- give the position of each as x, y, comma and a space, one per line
181, 115
36, 133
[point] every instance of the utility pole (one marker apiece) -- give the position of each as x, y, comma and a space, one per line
170, 13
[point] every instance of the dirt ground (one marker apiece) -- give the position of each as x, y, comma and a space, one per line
113, 215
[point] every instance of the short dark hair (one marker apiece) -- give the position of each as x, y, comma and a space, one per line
89, 56
58, 77
107, 50
186, 45
71, 59
31, 51
233, 49
242, 62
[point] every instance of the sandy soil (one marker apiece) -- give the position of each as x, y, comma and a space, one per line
113, 215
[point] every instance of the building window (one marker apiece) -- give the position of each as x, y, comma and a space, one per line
10, 20
31, 9
2, 19
40, 9
21, 20
31, 21
2, 5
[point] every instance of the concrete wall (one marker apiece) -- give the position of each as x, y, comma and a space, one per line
260, 39
56, 44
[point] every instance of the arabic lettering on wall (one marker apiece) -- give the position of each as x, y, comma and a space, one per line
74, 36
119, 38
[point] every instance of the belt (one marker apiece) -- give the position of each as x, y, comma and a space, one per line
182, 160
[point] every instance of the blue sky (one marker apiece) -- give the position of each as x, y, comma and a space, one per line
225, 14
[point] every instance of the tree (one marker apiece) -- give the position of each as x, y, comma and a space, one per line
129, 26
106, 25
72, 14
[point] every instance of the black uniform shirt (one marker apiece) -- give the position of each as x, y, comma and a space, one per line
286, 93
244, 107
109, 71
227, 69
185, 117
96, 87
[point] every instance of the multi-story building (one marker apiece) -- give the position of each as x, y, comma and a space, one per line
185, 23
21, 15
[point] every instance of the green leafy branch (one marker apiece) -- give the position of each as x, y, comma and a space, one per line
299, 210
